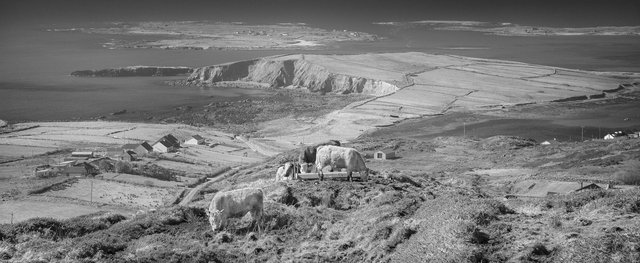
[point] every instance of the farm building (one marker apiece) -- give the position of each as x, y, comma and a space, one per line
615, 135
168, 143
82, 154
195, 140
384, 155
138, 148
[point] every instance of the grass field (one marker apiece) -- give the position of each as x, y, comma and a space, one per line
115, 193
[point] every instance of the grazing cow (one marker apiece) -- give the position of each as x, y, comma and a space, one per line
309, 153
341, 157
235, 204
288, 171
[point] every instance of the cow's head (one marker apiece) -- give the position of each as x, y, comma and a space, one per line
215, 218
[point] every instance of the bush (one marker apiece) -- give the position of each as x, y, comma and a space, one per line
555, 221
628, 172
628, 201
578, 200
123, 167
54, 229
48, 228
104, 244
158, 172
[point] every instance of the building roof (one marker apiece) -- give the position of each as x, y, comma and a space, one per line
146, 146
130, 146
197, 137
81, 153
169, 141
386, 151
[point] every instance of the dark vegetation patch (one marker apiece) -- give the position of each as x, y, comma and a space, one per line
399, 145
506, 143
242, 115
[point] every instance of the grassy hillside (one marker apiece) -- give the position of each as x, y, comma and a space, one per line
441, 200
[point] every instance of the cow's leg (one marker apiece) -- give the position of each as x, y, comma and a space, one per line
223, 222
257, 214
320, 173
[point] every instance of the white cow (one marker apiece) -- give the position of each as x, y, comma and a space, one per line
287, 172
235, 204
341, 157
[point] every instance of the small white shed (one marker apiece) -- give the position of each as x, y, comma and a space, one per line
384, 155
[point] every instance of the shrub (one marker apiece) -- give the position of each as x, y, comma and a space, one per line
48, 228
628, 201
539, 249
123, 167
555, 221
104, 244
628, 172
80, 226
578, 200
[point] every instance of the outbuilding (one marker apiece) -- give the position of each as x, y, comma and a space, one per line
168, 143
82, 154
137, 148
384, 155
195, 140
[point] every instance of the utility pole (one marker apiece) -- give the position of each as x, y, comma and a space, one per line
91, 192
12, 218
582, 133
464, 129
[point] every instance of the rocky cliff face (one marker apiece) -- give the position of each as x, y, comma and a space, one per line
134, 71
298, 73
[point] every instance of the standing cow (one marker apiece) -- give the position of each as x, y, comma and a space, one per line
235, 204
309, 153
341, 157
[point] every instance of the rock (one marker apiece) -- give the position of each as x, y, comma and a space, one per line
585, 222
281, 73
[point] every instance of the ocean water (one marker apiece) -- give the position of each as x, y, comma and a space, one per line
35, 65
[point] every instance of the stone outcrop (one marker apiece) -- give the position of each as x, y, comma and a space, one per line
290, 73
134, 71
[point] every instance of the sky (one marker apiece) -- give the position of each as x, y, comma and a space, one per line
567, 13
